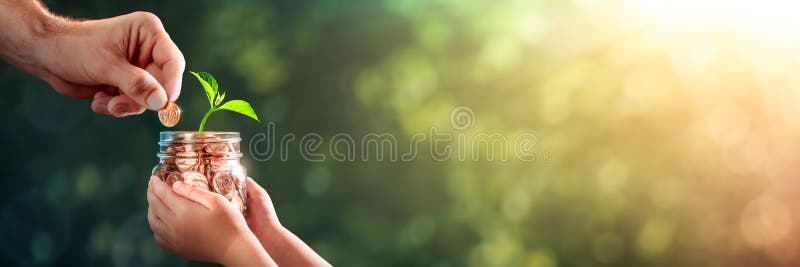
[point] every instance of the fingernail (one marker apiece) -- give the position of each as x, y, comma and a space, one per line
119, 110
157, 100
178, 186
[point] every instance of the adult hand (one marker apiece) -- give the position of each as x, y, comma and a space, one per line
201, 225
126, 63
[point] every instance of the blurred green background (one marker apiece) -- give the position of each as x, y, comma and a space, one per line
672, 128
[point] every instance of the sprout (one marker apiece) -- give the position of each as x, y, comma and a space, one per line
215, 98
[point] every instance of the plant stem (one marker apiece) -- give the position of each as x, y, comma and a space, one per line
205, 118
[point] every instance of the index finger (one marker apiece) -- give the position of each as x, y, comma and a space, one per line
202, 197
170, 62
173, 201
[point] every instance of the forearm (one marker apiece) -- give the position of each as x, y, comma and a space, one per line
24, 24
248, 252
287, 249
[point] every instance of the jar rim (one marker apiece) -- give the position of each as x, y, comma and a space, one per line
234, 156
197, 137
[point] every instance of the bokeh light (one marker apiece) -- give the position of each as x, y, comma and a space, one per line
670, 128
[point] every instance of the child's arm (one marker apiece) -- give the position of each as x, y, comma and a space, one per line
201, 225
286, 248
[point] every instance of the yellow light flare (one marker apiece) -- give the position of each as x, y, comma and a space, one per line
770, 19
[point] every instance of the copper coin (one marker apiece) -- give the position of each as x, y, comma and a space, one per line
160, 173
173, 177
223, 184
170, 115
195, 179
187, 161
217, 149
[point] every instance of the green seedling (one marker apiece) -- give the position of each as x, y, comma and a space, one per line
215, 98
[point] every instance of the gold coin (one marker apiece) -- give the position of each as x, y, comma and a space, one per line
170, 115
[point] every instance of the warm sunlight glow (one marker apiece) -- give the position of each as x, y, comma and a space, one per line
761, 19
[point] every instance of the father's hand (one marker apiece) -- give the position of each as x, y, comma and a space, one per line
126, 64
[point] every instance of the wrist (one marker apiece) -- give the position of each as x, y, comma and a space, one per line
48, 36
246, 251
22, 40
273, 237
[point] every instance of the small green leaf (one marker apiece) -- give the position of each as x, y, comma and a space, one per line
216, 97
208, 83
210, 80
220, 97
241, 107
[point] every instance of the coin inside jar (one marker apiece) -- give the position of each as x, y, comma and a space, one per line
195, 179
173, 177
170, 115
223, 184
209, 161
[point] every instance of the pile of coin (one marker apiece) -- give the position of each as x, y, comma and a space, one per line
206, 162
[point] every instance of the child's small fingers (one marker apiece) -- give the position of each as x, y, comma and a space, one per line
256, 191
156, 205
156, 224
163, 243
201, 196
171, 200
160, 230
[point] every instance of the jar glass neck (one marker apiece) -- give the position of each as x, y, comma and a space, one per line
184, 144
198, 137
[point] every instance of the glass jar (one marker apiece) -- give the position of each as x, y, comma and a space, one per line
207, 160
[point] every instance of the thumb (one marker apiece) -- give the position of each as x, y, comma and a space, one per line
203, 197
256, 192
138, 84
259, 202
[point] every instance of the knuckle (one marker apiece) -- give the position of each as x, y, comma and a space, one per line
263, 194
136, 110
151, 219
181, 61
262, 197
219, 200
147, 18
119, 108
156, 190
261, 191
140, 86
97, 108
190, 190
256, 192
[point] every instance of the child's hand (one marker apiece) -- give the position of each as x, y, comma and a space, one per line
261, 216
201, 225
287, 248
